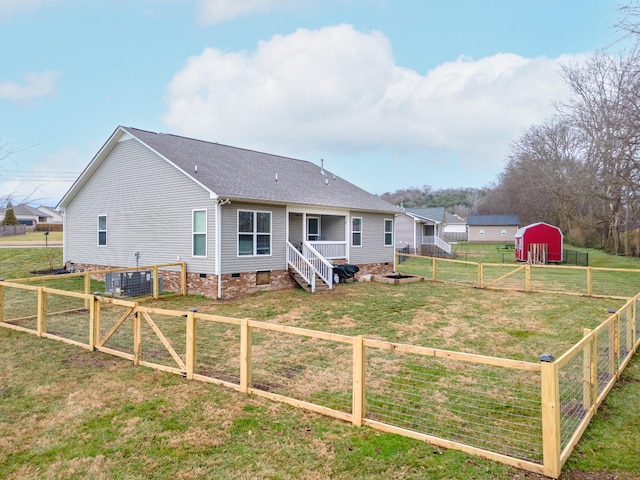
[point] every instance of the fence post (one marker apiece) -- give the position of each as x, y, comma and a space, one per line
589, 281
245, 355
137, 336
613, 349
183, 278
42, 312
94, 323
480, 274
358, 404
527, 277
190, 360
87, 287
588, 397
156, 283
435, 269
550, 399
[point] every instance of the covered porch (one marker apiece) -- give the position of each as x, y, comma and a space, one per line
326, 233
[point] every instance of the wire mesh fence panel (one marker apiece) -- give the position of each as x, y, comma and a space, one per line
169, 280
422, 266
218, 351
637, 320
559, 279
625, 340
21, 307
461, 273
574, 383
309, 369
605, 356
515, 277
163, 340
116, 327
615, 283
69, 283
68, 317
491, 408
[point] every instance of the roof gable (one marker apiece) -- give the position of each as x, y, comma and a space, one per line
435, 214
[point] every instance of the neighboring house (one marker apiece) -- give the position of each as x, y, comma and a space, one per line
539, 243
492, 228
27, 215
242, 220
420, 230
54, 216
454, 229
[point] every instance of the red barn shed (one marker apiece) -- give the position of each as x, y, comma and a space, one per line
539, 243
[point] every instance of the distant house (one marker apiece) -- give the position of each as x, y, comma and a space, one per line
420, 230
492, 228
243, 221
27, 215
539, 243
454, 228
54, 216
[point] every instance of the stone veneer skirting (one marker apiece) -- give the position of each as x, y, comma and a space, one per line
236, 285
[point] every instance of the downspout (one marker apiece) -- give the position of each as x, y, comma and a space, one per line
64, 236
219, 248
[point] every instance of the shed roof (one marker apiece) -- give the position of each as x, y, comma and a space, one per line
521, 231
488, 220
242, 174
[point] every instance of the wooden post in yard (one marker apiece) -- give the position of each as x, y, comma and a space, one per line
550, 396
480, 274
589, 281
156, 283
245, 355
137, 336
42, 312
587, 365
358, 406
87, 287
190, 361
183, 278
94, 324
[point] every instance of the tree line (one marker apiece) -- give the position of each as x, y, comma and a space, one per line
580, 168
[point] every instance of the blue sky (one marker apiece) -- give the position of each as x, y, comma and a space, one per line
390, 93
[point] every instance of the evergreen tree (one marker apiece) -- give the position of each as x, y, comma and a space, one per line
10, 217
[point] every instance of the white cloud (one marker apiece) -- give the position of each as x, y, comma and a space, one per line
33, 85
339, 90
217, 11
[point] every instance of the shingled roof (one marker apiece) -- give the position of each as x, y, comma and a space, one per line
488, 220
248, 175
435, 214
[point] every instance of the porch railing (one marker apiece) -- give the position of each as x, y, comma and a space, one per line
330, 250
323, 267
437, 241
301, 265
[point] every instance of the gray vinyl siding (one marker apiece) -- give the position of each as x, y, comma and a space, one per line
295, 229
373, 249
148, 204
231, 262
405, 232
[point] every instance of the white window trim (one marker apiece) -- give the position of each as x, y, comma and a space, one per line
386, 232
193, 232
481, 232
106, 222
503, 231
255, 233
360, 232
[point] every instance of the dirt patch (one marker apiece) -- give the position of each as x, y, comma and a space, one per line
576, 475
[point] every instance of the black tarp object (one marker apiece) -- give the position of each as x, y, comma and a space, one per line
345, 271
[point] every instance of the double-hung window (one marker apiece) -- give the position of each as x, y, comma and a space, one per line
102, 230
388, 232
254, 233
356, 231
199, 233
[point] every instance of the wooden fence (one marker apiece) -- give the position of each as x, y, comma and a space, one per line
527, 415
12, 230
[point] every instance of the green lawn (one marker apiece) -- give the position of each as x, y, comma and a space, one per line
69, 413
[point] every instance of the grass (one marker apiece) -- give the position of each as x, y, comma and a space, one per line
68, 413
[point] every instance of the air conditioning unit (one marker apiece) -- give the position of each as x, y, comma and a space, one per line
130, 284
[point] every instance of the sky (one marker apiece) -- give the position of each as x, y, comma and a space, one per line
391, 94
